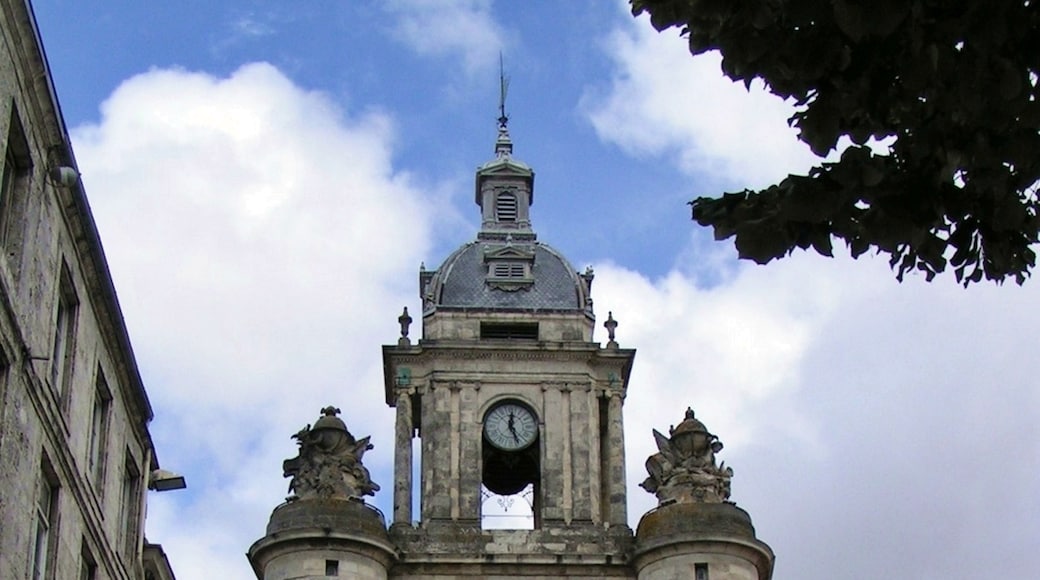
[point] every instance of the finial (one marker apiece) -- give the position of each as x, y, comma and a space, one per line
405, 321
503, 88
503, 145
330, 411
610, 325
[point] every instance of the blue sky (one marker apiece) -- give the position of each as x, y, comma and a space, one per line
363, 57
267, 178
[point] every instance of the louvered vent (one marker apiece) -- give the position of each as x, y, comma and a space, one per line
507, 270
509, 330
505, 207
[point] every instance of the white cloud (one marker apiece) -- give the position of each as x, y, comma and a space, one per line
263, 243
462, 29
250, 27
663, 102
734, 352
861, 416
263, 246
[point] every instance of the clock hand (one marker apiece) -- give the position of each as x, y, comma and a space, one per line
512, 428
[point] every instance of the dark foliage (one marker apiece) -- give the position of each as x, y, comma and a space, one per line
953, 84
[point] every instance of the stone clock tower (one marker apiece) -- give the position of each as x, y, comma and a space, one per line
509, 454
509, 398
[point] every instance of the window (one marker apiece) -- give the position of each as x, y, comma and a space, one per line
44, 528
97, 450
15, 180
88, 565
508, 270
510, 274
4, 369
131, 504
64, 332
509, 330
332, 567
700, 571
505, 207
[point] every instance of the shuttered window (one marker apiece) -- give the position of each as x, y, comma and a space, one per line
507, 270
505, 207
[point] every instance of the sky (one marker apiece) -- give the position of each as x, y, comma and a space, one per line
267, 178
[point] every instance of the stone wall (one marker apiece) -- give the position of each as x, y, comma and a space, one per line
673, 540
312, 564
461, 552
322, 538
575, 390
556, 327
684, 564
50, 249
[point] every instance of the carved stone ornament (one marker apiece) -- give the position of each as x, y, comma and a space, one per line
683, 470
329, 462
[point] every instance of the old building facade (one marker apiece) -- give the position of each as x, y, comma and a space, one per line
514, 405
78, 457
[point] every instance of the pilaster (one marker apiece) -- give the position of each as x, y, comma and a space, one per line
616, 461
403, 433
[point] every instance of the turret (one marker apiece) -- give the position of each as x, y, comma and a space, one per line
695, 532
325, 528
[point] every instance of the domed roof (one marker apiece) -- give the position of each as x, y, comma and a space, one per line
690, 424
505, 268
465, 280
329, 420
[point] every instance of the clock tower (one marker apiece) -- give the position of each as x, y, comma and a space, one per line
509, 451
515, 408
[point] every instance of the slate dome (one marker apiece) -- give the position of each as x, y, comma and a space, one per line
462, 282
506, 268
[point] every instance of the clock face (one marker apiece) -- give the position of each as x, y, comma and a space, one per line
510, 427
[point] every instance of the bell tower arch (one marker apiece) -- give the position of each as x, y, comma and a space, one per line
511, 466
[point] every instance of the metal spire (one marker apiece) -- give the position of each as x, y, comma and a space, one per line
504, 145
503, 89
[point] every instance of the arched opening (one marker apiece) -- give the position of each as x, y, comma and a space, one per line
513, 511
511, 468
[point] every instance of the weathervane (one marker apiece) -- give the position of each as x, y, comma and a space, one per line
503, 88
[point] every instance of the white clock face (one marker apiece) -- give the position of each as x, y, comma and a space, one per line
510, 427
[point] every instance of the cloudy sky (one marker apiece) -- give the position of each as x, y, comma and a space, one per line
267, 177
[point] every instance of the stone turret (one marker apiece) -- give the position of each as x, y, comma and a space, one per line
325, 528
695, 532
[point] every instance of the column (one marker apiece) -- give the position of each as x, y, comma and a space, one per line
616, 475
552, 454
454, 419
568, 473
594, 478
471, 471
580, 438
403, 433
437, 438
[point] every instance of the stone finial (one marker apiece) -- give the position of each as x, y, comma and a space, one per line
610, 325
329, 462
405, 320
684, 470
